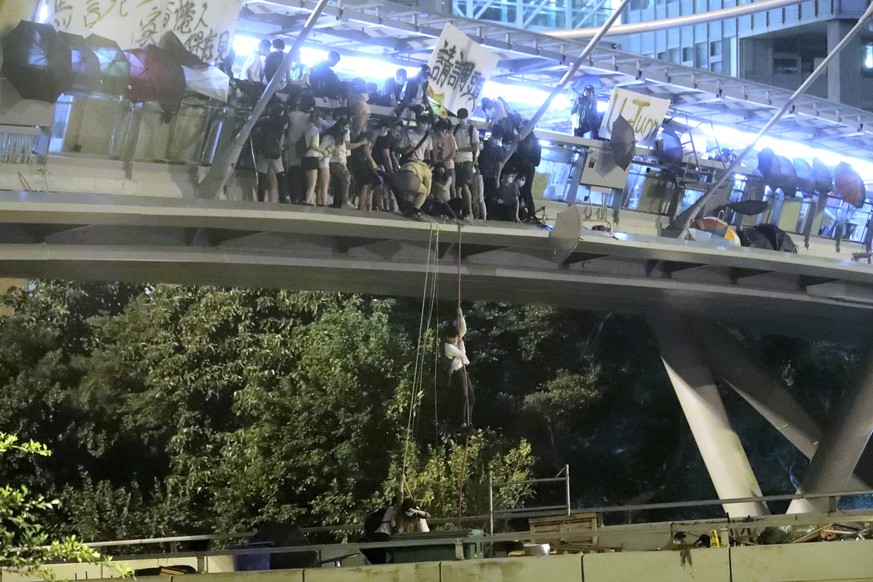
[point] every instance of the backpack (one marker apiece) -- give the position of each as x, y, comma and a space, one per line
470, 130
374, 520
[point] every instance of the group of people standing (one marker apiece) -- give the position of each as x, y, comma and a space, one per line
411, 162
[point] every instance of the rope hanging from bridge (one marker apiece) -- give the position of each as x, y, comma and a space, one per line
430, 288
468, 409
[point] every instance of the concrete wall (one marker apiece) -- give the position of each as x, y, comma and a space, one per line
848, 561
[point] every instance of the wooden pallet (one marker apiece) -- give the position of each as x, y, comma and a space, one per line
583, 526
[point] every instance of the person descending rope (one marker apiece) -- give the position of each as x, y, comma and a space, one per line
455, 350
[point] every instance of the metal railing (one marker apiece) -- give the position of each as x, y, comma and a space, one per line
563, 476
459, 539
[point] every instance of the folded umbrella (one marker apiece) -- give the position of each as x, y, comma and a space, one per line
622, 142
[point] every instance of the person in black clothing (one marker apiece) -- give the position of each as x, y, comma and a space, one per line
490, 165
266, 141
394, 87
415, 92
524, 162
273, 60
323, 80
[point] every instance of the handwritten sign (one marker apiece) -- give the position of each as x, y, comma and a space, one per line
459, 68
644, 113
205, 28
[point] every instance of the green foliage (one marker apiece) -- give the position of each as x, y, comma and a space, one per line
176, 410
25, 545
435, 475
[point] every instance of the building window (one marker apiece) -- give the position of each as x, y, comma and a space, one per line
715, 49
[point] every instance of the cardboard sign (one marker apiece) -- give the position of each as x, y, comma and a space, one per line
205, 28
459, 68
644, 113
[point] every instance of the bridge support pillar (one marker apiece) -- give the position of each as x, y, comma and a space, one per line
842, 444
698, 395
730, 361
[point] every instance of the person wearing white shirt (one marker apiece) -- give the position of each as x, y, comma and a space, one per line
253, 68
456, 351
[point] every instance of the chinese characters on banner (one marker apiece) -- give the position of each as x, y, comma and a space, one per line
459, 69
644, 113
205, 28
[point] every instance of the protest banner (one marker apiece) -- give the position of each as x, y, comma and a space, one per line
205, 28
644, 113
459, 68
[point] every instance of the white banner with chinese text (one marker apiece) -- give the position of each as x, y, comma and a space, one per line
205, 28
459, 68
644, 113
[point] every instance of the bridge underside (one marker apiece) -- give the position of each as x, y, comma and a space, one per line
94, 237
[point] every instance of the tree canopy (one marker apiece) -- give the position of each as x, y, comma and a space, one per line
191, 410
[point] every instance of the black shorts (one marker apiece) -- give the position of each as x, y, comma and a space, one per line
464, 173
309, 163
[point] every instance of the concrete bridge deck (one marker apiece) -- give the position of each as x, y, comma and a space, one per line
130, 238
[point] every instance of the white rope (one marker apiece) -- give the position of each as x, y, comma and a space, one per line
419, 361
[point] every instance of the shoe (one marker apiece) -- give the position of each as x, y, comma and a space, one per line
350, 206
468, 218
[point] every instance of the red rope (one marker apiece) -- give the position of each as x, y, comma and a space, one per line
466, 399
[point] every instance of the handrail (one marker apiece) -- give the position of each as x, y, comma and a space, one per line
547, 511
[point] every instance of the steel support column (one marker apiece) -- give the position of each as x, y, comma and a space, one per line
698, 395
844, 441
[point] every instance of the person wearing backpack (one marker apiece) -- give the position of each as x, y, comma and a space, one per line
266, 141
378, 527
298, 123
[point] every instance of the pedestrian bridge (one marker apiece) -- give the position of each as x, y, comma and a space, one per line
80, 236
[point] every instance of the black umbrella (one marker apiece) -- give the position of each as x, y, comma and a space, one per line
765, 162
171, 43
788, 180
670, 149
623, 142
749, 207
36, 61
114, 67
824, 180
85, 66
581, 82
805, 176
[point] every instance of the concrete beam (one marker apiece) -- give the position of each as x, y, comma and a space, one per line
722, 452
